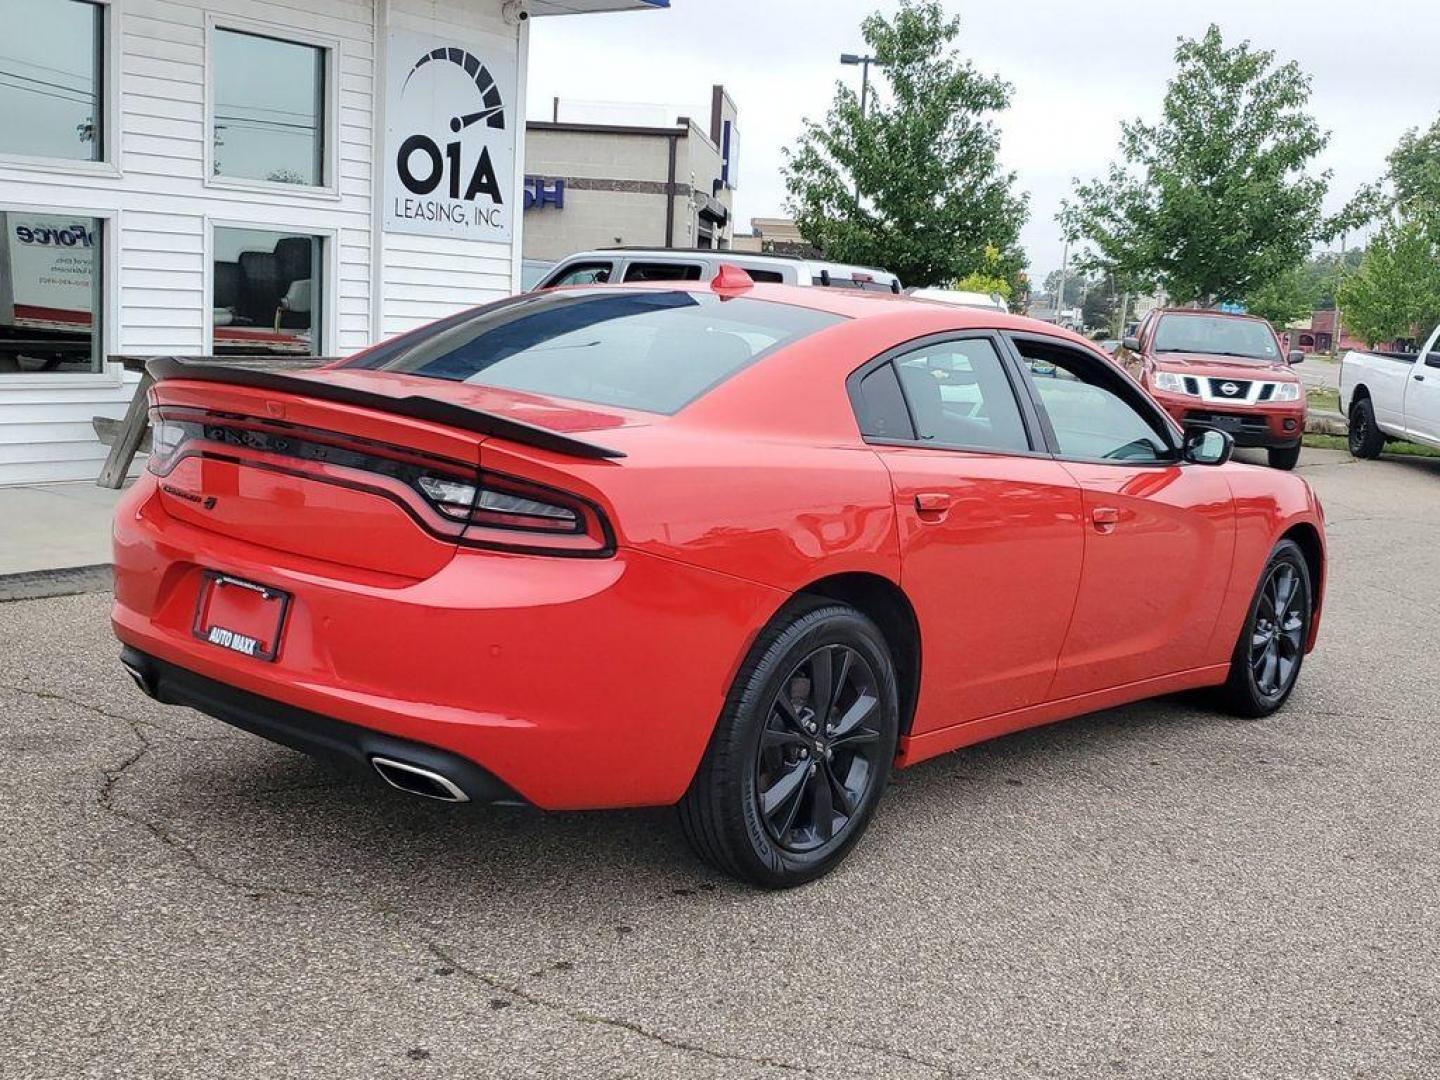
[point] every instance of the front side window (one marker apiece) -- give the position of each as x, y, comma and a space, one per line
960, 396
1088, 411
590, 273
52, 79
1216, 335
50, 290
266, 292
631, 348
268, 116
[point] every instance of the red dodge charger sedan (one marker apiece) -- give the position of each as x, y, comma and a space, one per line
739, 547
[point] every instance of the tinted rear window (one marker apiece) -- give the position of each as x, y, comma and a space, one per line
654, 351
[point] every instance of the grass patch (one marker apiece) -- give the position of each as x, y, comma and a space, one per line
1319, 398
1399, 449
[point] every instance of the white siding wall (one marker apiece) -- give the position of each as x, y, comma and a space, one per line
161, 211
428, 277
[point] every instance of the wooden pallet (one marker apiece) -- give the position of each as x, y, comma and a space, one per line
129, 436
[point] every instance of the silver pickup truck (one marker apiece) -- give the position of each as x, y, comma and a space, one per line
1391, 396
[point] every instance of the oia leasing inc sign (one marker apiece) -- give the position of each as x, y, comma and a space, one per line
450, 138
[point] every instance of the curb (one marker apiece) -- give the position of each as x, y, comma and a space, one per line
1325, 423
67, 581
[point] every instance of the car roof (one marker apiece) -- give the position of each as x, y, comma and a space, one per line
857, 304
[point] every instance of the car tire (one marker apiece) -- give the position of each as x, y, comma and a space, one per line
1255, 688
1366, 439
783, 792
1284, 457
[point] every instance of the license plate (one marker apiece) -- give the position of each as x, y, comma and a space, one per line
241, 616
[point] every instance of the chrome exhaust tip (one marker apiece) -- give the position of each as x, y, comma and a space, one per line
414, 780
141, 679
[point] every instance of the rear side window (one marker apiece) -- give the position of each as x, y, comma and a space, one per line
631, 348
765, 277
960, 396
640, 271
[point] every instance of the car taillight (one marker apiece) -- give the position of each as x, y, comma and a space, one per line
507, 512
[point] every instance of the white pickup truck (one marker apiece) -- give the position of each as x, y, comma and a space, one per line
1391, 396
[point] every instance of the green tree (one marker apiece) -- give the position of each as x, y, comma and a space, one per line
1415, 173
1285, 298
1213, 202
914, 184
1396, 291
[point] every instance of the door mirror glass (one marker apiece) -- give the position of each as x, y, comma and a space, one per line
1295, 357
1207, 446
1131, 344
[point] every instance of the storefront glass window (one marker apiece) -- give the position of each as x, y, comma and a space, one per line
52, 64
267, 292
269, 114
50, 290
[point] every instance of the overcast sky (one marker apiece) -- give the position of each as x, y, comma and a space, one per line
1078, 67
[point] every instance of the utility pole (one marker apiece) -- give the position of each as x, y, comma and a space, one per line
1339, 277
1060, 292
864, 62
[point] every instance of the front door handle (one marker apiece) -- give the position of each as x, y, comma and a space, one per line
1105, 518
932, 506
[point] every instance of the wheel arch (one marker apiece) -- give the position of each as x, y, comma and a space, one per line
1307, 538
886, 604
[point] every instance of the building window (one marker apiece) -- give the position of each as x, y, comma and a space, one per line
52, 79
268, 117
267, 292
50, 293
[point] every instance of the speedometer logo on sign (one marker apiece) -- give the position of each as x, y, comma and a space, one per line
451, 150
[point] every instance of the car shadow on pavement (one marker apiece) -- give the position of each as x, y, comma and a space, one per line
280, 822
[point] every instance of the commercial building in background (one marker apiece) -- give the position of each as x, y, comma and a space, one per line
190, 177
604, 175
775, 236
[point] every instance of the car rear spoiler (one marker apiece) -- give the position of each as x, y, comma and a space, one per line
163, 368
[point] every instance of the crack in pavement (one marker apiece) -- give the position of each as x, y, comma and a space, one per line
112, 775
904, 1055
583, 1016
100, 710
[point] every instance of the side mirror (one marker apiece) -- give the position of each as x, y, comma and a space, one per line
1207, 446
1131, 344
1295, 357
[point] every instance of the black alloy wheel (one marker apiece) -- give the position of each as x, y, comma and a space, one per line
802, 750
1277, 640
816, 761
1271, 648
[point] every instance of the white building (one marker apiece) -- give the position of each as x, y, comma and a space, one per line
186, 177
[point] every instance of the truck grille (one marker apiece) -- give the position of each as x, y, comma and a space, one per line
1237, 389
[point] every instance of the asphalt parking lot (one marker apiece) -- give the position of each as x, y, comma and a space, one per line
1152, 891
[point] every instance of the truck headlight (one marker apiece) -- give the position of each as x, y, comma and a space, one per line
1287, 391
1169, 382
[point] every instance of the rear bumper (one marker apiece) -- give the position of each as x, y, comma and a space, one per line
574, 683
1251, 425
347, 746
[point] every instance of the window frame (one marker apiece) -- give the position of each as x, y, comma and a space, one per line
1029, 419
109, 165
325, 327
1120, 383
329, 189
110, 374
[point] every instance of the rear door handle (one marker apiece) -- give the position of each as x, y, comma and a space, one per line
932, 505
1105, 518
1418, 378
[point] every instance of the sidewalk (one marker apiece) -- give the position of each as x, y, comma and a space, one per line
54, 536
